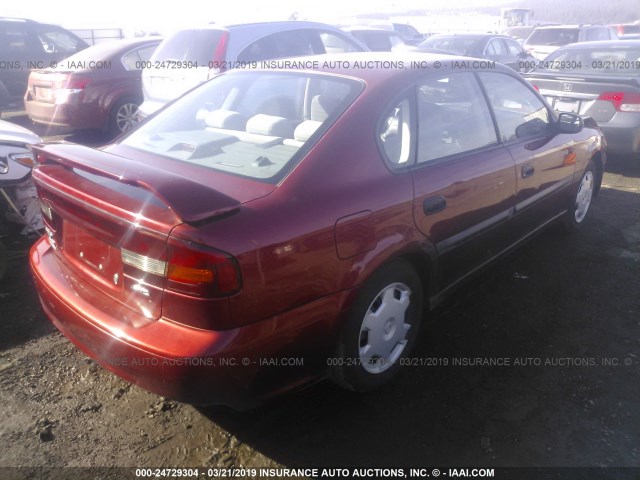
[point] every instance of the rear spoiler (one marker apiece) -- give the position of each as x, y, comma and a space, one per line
190, 200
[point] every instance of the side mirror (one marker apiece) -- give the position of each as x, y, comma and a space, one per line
570, 123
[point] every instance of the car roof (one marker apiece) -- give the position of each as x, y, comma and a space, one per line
476, 36
359, 65
604, 44
553, 27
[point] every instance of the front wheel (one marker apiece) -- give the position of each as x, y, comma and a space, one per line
581, 199
380, 330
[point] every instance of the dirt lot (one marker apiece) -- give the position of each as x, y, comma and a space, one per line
564, 311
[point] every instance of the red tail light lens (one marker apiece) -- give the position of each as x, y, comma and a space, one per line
622, 101
217, 63
197, 270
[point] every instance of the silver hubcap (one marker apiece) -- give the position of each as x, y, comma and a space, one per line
583, 198
383, 335
126, 116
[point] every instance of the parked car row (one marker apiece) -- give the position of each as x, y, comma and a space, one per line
111, 86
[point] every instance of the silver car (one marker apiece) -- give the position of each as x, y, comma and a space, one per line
190, 57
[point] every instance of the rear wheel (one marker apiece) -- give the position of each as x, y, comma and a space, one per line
123, 116
380, 330
581, 200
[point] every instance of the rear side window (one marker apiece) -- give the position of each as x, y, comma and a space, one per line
453, 117
133, 60
395, 135
196, 46
518, 111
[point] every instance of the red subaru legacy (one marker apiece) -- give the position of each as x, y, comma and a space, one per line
275, 226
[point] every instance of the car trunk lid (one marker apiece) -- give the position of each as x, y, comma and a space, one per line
599, 97
110, 219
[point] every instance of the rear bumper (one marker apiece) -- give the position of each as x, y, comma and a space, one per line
623, 134
75, 116
239, 367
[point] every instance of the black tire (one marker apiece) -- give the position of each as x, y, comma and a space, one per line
123, 115
357, 365
581, 199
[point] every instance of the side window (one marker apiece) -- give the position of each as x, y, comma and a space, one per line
453, 117
131, 60
592, 34
58, 40
395, 134
513, 47
495, 47
519, 112
335, 43
16, 40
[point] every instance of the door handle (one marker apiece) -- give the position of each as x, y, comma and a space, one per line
527, 170
434, 205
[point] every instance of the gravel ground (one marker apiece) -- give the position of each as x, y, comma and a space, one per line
564, 311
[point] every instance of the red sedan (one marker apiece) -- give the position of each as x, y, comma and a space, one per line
99, 87
272, 227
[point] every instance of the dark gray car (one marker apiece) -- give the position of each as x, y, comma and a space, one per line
498, 48
26, 45
600, 80
189, 57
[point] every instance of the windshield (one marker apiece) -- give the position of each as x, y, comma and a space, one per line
248, 123
602, 61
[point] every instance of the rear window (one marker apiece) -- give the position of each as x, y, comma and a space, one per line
554, 36
247, 123
601, 61
195, 46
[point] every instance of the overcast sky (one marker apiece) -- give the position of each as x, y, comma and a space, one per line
150, 14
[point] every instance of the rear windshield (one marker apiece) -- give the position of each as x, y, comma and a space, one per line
554, 36
622, 61
458, 45
247, 123
195, 46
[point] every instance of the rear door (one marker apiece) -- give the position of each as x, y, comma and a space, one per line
464, 180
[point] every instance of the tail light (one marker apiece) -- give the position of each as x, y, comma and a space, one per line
201, 271
217, 62
68, 86
536, 87
622, 101
188, 268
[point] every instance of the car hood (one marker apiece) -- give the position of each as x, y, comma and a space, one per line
12, 133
